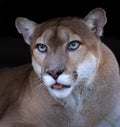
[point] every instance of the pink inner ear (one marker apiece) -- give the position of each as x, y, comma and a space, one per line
97, 18
101, 19
25, 27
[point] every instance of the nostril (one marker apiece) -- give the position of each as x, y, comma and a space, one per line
55, 73
60, 72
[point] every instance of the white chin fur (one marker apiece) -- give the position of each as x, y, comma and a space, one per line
63, 93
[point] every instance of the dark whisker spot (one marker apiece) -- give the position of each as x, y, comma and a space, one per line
75, 75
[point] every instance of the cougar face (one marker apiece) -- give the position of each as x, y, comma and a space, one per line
65, 51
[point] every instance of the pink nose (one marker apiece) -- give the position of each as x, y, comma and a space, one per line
55, 73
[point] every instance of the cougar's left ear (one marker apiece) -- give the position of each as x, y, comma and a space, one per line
96, 19
25, 27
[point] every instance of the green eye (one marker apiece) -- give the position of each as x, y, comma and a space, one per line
41, 48
73, 45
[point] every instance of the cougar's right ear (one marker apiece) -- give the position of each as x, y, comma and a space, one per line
25, 27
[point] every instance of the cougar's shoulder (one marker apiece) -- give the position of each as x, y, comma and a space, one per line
11, 83
13, 73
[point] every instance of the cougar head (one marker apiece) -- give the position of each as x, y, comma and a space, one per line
64, 51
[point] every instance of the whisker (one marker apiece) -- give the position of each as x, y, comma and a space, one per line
39, 86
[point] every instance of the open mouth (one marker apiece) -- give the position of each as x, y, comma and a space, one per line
59, 86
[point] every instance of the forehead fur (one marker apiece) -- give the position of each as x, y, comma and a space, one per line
76, 25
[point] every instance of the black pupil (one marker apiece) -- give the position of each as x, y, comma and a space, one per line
42, 47
73, 44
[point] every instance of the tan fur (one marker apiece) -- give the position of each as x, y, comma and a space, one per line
29, 96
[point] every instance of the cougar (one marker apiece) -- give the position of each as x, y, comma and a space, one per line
73, 79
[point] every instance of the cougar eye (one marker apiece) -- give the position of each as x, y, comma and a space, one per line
41, 48
73, 45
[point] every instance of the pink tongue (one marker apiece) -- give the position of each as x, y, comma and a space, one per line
57, 86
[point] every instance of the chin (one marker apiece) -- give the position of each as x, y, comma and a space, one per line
60, 93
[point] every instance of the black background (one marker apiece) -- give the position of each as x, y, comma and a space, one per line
14, 51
